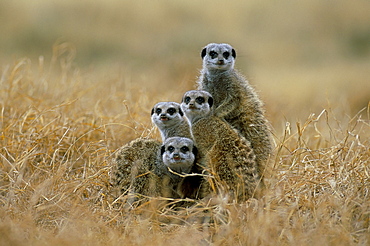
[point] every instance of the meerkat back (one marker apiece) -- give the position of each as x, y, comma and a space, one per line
134, 163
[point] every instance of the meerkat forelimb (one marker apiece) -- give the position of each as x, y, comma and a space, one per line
235, 100
228, 156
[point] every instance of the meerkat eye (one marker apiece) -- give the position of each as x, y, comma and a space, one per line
200, 100
171, 149
213, 54
158, 111
187, 100
226, 54
171, 111
184, 149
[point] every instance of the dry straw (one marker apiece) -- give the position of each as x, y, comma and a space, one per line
59, 131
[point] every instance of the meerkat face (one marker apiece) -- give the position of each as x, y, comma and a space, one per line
219, 57
165, 114
179, 154
196, 104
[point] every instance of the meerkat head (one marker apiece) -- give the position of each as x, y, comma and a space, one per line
179, 154
196, 104
166, 114
218, 57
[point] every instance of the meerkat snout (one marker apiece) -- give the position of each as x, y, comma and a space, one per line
220, 62
176, 157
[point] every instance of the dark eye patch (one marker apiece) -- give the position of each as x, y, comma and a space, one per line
187, 100
200, 100
158, 111
226, 54
184, 149
180, 112
171, 149
213, 54
171, 111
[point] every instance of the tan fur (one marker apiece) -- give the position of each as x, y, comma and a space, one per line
228, 156
143, 174
135, 161
235, 100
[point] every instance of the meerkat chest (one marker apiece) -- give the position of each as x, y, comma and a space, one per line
218, 88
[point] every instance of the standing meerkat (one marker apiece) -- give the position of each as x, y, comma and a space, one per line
234, 99
228, 156
136, 160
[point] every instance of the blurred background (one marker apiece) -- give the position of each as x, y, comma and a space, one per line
302, 56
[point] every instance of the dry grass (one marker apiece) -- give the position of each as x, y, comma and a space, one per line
61, 122
56, 153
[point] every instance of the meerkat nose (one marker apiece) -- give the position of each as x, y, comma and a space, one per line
164, 117
176, 156
220, 62
192, 106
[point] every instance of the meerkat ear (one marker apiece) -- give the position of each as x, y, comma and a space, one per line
233, 53
152, 111
210, 101
163, 149
180, 112
195, 150
204, 52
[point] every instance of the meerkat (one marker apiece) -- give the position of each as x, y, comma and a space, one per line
228, 156
167, 174
169, 119
136, 160
176, 160
235, 100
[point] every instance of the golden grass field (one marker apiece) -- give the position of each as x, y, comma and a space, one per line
78, 80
